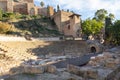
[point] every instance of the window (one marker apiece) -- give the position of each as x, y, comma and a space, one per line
69, 27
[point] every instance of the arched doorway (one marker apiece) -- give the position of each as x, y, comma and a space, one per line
32, 11
93, 49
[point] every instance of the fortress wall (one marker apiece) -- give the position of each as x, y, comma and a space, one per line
20, 7
3, 5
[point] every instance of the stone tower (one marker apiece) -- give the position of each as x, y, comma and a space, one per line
75, 25
50, 11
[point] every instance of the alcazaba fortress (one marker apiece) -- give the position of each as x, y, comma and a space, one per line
68, 23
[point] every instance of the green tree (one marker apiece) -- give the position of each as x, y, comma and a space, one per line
100, 15
115, 32
91, 27
111, 16
42, 4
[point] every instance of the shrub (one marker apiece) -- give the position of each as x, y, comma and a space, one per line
4, 27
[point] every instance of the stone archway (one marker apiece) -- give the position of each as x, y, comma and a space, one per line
93, 49
94, 46
32, 11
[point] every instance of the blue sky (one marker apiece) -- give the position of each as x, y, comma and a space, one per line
86, 8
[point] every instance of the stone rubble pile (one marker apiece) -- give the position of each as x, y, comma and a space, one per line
38, 66
105, 66
106, 59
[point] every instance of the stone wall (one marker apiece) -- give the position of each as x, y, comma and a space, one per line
29, 1
69, 26
25, 7
50, 11
57, 20
20, 7
31, 9
10, 6
74, 27
60, 19
55, 48
3, 5
42, 11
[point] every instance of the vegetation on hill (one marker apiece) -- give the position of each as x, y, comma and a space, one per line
4, 28
35, 25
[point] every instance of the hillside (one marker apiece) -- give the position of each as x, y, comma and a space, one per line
32, 26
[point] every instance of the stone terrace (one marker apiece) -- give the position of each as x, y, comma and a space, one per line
16, 52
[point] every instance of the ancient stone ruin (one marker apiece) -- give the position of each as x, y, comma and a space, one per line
103, 66
97, 64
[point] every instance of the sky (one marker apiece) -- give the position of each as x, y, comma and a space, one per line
86, 8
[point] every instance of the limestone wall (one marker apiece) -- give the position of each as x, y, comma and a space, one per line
75, 25
3, 5
31, 9
20, 7
29, 1
50, 11
8, 38
42, 11
10, 6
64, 18
57, 20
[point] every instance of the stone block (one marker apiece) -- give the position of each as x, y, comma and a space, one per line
16, 70
91, 73
92, 63
51, 69
72, 69
107, 55
34, 69
110, 63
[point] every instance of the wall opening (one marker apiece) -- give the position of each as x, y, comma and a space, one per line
68, 27
93, 50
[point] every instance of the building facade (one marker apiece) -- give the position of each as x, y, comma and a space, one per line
68, 23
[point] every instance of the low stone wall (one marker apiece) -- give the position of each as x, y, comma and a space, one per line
11, 38
16, 38
47, 39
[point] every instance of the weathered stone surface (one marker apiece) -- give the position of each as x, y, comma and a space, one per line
92, 73
73, 69
96, 45
17, 70
51, 69
110, 63
34, 69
